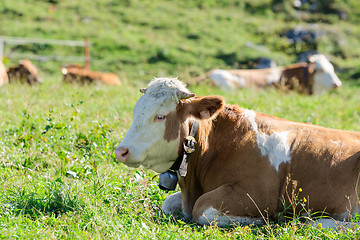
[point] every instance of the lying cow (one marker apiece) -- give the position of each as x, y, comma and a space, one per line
3, 75
77, 74
245, 163
316, 76
24, 72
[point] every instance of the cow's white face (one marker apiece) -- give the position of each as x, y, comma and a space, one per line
325, 77
160, 119
145, 138
144, 144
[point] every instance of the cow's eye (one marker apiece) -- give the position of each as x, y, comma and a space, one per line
159, 117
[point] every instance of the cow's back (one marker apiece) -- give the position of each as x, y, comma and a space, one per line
24, 72
110, 79
258, 77
81, 75
30, 67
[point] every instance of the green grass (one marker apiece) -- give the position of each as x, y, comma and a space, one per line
50, 129
137, 39
58, 174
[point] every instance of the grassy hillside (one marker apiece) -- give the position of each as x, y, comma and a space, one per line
58, 174
137, 39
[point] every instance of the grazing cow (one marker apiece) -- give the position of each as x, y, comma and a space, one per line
77, 74
24, 72
246, 164
3, 75
315, 77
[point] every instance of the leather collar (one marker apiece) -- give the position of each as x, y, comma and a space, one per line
181, 162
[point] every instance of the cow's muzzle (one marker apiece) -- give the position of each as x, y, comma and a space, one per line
336, 85
122, 154
168, 180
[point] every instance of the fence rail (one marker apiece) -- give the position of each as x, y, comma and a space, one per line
44, 58
24, 41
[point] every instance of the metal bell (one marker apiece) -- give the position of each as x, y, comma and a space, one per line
168, 180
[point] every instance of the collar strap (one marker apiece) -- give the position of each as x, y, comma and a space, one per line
189, 147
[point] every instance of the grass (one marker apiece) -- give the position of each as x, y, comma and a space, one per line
137, 39
59, 177
58, 174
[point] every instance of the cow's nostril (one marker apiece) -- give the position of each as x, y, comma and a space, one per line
335, 85
122, 154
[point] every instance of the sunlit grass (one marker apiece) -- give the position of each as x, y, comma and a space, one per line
58, 174
59, 177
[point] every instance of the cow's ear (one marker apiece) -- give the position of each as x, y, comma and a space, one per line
205, 107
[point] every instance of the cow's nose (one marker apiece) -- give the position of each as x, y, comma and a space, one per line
336, 85
122, 154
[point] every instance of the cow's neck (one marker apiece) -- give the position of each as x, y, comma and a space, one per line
186, 148
308, 78
215, 137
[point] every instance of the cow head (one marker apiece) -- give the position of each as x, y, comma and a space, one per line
325, 78
161, 117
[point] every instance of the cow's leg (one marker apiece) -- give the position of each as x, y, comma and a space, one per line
225, 206
173, 204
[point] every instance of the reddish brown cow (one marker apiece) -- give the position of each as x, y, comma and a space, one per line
24, 72
246, 164
76, 74
3, 75
317, 76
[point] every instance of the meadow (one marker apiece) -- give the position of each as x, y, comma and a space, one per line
58, 175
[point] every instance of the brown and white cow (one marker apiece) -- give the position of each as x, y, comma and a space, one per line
24, 72
316, 76
246, 164
3, 75
77, 74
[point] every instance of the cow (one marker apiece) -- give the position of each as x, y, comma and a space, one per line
24, 72
313, 77
78, 74
246, 164
3, 75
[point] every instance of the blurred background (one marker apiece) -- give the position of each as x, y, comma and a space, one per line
140, 39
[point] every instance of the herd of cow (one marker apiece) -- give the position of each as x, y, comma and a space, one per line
315, 76
26, 72
234, 165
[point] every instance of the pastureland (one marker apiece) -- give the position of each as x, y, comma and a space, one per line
58, 175
136, 39
59, 178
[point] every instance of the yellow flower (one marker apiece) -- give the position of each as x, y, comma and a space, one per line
319, 225
300, 189
305, 199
